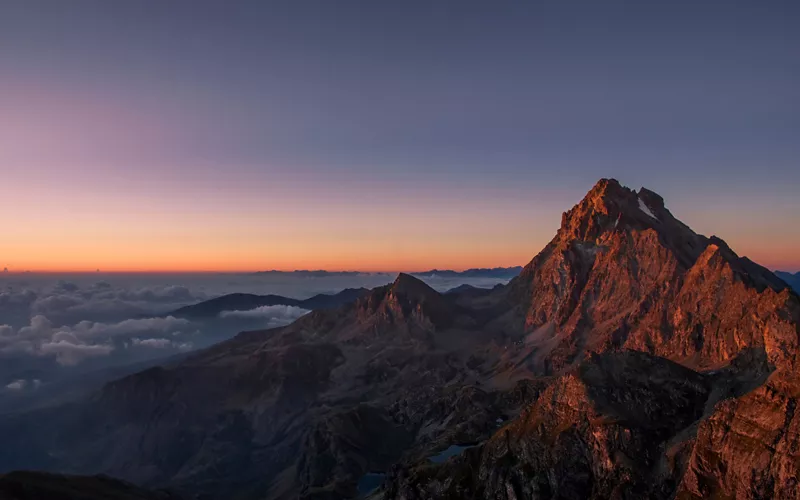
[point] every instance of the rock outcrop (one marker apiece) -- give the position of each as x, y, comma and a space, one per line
42, 486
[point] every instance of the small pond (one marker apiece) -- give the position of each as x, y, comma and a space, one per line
369, 482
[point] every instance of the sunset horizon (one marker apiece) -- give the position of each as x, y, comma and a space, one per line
406, 251
383, 138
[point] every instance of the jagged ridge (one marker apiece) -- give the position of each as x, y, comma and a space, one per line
616, 276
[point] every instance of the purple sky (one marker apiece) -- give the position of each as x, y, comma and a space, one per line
385, 135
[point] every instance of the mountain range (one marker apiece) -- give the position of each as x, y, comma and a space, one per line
480, 272
631, 358
494, 272
246, 301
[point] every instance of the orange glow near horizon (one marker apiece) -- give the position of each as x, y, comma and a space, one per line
340, 239
171, 228
248, 139
389, 255
378, 258
203, 262
784, 263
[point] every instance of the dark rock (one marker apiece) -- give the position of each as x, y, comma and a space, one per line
23, 485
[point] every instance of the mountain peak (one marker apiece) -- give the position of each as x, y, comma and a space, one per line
651, 199
409, 298
413, 288
607, 188
622, 239
608, 206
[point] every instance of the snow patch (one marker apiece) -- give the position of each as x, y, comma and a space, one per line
644, 208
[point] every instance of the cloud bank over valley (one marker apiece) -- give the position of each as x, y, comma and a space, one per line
58, 327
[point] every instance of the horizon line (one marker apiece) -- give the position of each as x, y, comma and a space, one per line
259, 271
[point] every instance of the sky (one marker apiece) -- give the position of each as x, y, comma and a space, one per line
238, 136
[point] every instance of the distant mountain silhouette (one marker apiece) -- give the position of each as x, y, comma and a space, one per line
793, 280
304, 273
495, 272
245, 302
631, 358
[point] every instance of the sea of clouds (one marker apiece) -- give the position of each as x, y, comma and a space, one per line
55, 327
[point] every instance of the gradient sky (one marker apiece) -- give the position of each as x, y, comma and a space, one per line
191, 135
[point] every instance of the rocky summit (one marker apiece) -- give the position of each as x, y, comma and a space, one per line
631, 358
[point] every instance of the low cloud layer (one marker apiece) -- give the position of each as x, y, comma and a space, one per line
274, 315
71, 345
161, 343
22, 385
56, 327
69, 354
69, 303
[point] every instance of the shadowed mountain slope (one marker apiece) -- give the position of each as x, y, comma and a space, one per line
44, 486
792, 280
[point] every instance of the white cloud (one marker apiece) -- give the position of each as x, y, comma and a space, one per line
17, 299
88, 329
39, 328
22, 384
17, 346
67, 303
155, 343
169, 293
70, 345
160, 343
274, 315
69, 354
55, 303
17, 385
46, 323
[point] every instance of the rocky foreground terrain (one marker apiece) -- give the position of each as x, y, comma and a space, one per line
44, 486
631, 358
